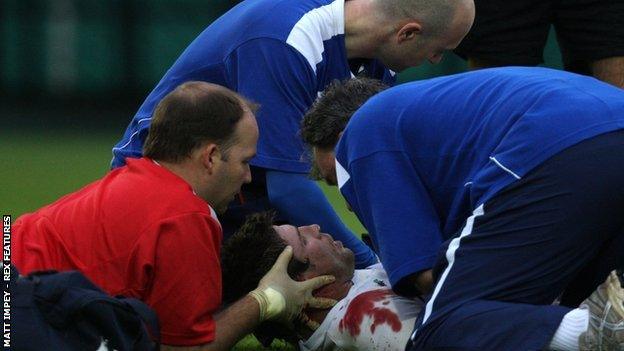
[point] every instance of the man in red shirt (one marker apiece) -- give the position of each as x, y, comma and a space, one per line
149, 230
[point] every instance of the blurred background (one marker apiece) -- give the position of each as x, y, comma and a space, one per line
72, 74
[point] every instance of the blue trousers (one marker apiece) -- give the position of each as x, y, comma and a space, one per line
558, 230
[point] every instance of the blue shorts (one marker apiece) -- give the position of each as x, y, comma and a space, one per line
559, 229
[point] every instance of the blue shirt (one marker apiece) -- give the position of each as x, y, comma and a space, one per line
278, 53
416, 160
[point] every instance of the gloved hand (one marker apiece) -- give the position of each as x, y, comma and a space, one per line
282, 299
307, 322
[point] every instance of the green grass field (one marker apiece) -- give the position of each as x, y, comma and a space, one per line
39, 167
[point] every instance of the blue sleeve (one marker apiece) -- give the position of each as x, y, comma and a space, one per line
386, 193
302, 201
275, 75
131, 145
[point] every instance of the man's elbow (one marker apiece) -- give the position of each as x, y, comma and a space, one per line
415, 284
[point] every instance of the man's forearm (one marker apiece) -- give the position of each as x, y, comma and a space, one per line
424, 281
421, 282
232, 324
277, 298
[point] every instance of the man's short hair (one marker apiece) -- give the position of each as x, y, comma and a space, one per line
331, 112
190, 116
436, 15
246, 257
250, 253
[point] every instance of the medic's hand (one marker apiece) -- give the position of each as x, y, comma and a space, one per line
309, 323
282, 299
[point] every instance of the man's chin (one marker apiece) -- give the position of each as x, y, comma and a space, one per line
350, 256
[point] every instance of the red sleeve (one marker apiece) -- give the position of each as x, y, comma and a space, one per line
186, 286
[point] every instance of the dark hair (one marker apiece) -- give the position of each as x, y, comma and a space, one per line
246, 257
331, 112
191, 115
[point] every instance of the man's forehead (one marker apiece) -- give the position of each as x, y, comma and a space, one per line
286, 232
292, 236
281, 227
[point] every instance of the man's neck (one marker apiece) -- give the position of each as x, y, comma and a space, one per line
336, 291
185, 171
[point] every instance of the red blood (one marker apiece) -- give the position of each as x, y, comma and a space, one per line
364, 305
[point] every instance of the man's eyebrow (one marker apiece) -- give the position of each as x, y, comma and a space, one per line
303, 243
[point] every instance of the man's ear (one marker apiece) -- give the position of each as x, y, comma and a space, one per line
209, 155
409, 31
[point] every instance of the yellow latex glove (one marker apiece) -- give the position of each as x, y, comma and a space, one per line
282, 299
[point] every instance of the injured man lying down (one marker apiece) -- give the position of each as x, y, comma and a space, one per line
368, 315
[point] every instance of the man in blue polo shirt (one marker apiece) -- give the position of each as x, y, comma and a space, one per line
281, 54
519, 171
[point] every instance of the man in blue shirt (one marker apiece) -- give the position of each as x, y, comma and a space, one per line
281, 54
519, 171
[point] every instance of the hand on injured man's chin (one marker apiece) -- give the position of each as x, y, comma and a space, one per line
282, 299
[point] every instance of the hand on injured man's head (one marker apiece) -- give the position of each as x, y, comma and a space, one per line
282, 299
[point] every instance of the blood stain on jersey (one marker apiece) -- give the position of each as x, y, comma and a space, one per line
365, 305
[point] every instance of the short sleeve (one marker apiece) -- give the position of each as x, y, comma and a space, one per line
275, 75
186, 286
388, 196
373, 319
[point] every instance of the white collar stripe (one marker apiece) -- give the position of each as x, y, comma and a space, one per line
213, 214
341, 175
316, 26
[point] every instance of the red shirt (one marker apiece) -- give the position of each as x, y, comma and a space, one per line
141, 232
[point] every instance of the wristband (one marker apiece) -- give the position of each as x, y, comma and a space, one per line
270, 301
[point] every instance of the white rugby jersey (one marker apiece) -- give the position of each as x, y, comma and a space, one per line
370, 317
